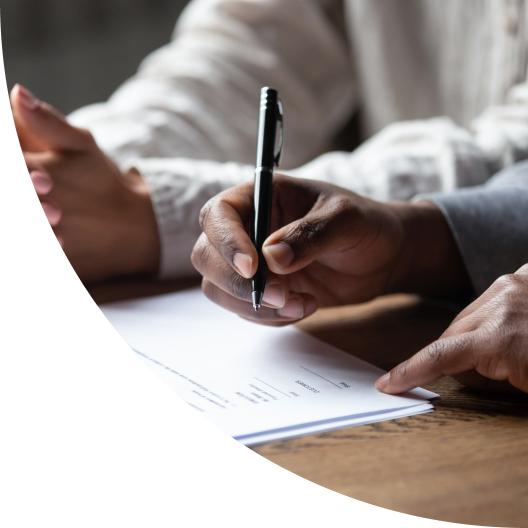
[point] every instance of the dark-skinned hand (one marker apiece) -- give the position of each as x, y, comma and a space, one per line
485, 348
328, 247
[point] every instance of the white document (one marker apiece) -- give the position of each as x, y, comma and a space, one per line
256, 383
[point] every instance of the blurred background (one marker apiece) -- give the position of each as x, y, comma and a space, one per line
74, 52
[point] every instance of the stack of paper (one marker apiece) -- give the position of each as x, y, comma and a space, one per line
256, 383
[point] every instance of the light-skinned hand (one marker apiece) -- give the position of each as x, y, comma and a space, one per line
486, 346
328, 247
103, 218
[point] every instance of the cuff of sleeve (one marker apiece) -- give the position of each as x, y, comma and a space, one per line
490, 227
178, 191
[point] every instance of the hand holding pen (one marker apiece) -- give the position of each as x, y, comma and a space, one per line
329, 246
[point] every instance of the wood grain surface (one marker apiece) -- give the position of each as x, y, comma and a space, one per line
466, 462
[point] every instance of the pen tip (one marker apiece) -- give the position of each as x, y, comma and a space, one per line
257, 300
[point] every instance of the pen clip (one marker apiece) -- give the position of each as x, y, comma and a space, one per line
280, 118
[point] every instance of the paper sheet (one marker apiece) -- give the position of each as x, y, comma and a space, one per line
256, 383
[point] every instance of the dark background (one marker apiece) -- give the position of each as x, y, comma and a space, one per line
74, 52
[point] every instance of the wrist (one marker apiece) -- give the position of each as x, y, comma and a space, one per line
429, 261
140, 245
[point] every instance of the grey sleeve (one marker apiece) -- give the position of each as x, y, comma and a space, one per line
490, 224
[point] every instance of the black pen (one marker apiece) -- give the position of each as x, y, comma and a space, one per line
270, 116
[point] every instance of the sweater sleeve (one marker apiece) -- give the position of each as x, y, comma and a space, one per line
489, 224
178, 190
197, 97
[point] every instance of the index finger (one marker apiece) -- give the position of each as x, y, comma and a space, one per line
224, 219
445, 357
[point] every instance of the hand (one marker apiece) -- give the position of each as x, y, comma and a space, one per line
486, 346
329, 247
103, 218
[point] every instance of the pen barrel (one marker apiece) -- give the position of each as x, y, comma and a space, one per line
267, 134
263, 196
270, 116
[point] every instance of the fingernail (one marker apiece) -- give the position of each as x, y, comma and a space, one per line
243, 264
382, 382
27, 99
41, 181
293, 309
281, 253
274, 295
310, 308
52, 212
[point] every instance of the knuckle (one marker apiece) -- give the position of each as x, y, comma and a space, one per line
523, 270
503, 281
342, 206
508, 283
195, 258
508, 295
200, 255
306, 235
205, 214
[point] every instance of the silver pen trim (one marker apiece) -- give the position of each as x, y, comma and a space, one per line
257, 299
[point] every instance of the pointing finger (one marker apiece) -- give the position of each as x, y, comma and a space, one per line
444, 357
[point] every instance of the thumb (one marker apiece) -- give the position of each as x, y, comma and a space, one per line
40, 127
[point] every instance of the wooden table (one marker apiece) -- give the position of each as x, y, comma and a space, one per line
466, 462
